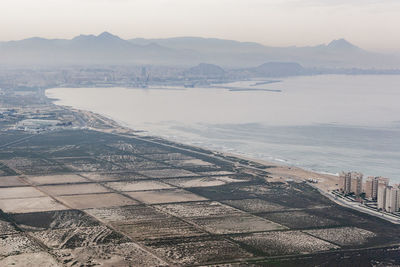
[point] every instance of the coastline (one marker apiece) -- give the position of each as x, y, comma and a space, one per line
178, 203
275, 172
319, 144
281, 171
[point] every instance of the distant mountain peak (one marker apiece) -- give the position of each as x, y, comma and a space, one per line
342, 44
107, 35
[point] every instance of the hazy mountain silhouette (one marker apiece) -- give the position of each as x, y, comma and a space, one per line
203, 44
342, 45
107, 48
206, 70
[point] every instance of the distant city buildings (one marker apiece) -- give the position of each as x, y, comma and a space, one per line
39, 125
375, 189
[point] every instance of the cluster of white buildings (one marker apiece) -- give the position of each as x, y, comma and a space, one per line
375, 189
38, 125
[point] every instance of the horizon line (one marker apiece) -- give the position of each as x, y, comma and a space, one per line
175, 37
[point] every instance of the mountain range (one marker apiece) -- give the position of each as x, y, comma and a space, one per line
109, 49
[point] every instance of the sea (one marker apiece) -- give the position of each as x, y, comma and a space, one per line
323, 123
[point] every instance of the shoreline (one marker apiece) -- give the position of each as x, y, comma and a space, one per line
330, 155
284, 171
275, 172
146, 133
169, 199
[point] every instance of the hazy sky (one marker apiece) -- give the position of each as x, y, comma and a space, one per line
371, 24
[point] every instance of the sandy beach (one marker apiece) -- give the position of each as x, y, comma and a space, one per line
276, 172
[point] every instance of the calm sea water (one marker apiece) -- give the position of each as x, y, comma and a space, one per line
325, 123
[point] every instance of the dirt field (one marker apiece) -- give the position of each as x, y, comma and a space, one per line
91, 198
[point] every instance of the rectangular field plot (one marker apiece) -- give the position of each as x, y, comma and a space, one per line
57, 179
87, 164
237, 224
199, 168
19, 192
41, 259
16, 244
215, 173
299, 219
167, 227
26, 205
204, 181
5, 170
138, 185
167, 173
341, 215
126, 214
285, 243
168, 156
198, 209
201, 250
126, 254
102, 200
8, 181
46, 170
6, 228
131, 162
140, 147
73, 189
38, 221
165, 196
255, 205
2, 172
24, 163
121, 158
189, 162
196, 182
34, 166
295, 196
344, 236
220, 193
113, 176
79, 237
67, 151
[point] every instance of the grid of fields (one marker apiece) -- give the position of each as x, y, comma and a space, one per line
71, 197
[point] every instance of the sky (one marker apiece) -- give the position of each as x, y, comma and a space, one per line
370, 24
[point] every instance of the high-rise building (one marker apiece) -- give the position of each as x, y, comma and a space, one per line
371, 186
346, 182
352, 182
392, 199
388, 197
356, 183
381, 197
368, 187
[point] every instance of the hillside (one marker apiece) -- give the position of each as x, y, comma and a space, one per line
108, 49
